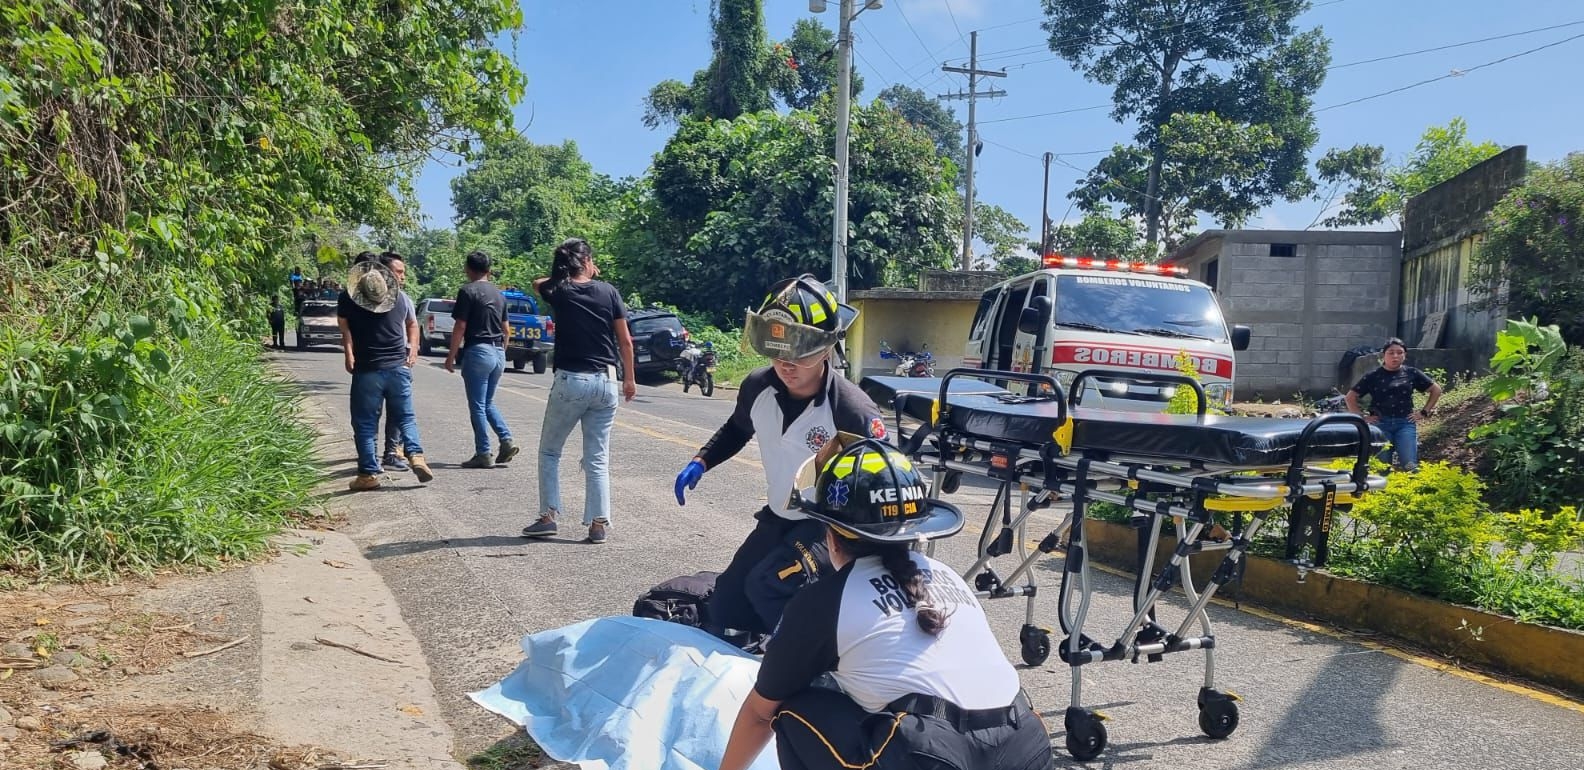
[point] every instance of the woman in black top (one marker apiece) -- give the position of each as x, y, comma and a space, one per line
923, 682
1390, 388
591, 326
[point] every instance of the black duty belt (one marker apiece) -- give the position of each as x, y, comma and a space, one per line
963, 719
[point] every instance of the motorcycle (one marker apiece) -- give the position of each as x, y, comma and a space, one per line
696, 364
910, 364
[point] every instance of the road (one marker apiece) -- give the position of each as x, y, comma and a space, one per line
470, 589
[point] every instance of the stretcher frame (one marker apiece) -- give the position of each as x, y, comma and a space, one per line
1154, 489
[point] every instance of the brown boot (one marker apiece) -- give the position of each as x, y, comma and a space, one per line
420, 467
364, 482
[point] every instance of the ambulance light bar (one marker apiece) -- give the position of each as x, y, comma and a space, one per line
1089, 263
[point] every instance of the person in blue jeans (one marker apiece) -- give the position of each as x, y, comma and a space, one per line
591, 331
379, 339
479, 339
1390, 389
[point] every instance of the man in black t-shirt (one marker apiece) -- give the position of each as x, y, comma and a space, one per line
479, 340
376, 335
1391, 388
277, 322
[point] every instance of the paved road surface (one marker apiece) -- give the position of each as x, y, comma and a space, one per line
470, 588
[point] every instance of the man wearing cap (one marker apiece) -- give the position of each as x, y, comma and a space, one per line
794, 407
379, 338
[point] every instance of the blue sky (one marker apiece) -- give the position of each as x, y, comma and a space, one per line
590, 62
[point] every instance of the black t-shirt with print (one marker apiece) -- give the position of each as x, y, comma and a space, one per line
1391, 393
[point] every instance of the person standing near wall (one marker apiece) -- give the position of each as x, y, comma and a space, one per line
480, 335
591, 331
1390, 389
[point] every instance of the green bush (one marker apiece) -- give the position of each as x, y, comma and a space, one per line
1535, 450
128, 450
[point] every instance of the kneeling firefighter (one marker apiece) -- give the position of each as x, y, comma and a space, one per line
794, 407
904, 638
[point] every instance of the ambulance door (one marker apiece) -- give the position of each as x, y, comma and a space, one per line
1032, 339
1000, 351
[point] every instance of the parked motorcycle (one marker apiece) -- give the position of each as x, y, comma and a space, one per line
910, 364
696, 365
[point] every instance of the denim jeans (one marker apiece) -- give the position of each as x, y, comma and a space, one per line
1403, 437
590, 399
482, 365
392, 390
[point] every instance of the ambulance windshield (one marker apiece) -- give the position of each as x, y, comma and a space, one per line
1138, 305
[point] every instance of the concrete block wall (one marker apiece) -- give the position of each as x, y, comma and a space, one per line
1339, 290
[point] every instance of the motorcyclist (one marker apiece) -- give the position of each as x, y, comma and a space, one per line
794, 406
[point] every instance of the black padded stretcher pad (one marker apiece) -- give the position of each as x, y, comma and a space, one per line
977, 410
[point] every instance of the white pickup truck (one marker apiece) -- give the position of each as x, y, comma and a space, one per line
434, 324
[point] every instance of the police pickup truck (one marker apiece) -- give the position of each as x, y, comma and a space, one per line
532, 334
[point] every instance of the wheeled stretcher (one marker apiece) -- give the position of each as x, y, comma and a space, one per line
1043, 445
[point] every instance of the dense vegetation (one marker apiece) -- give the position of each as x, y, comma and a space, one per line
162, 165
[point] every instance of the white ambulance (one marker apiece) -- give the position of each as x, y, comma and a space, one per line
1081, 313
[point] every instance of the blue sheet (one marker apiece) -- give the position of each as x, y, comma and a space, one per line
628, 693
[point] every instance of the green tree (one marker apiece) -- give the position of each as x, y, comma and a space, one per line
730, 205
929, 116
1003, 235
1186, 73
804, 67
1097, 235
1377, 192
1535, 247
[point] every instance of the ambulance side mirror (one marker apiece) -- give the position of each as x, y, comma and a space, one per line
1240, 336
1033, 318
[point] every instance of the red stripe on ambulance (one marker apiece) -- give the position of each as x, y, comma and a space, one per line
1127, 357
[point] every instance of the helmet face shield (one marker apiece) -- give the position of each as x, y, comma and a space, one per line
775, 335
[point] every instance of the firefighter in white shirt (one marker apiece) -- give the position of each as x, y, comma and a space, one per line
794, 407
920, 674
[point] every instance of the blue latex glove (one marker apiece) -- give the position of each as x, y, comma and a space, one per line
688, 479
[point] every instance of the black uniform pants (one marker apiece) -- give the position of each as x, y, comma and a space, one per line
278, 332
821, 729
778, 558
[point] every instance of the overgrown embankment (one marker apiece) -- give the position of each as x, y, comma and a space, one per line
162, 166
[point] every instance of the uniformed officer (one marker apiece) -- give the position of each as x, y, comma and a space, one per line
922, 680
794, 406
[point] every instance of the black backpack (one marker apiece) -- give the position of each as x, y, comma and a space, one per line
683, 599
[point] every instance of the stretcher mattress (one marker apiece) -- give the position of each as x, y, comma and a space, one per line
984, 411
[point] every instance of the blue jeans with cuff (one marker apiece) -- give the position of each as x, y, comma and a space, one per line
590, 399
392, 390
482, 365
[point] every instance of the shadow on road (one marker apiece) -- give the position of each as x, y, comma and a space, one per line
410, 547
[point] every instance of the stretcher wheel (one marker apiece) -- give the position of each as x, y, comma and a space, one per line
951, 482
1218, 713
987, 581
1035, 643
1086, 734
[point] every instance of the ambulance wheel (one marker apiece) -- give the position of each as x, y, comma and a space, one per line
951, 482
1036, 645
1218, 717
1086, 734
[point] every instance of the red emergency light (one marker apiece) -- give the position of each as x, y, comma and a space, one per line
1090, 263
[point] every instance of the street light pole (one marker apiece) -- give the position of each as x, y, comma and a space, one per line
843, 126
1045, 209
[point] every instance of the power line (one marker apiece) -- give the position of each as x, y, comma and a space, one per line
949, 13
1453, 45
1453, 74
882, 48
872, 68
916, 36
1048, 114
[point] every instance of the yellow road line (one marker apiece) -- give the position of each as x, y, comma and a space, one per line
1433, 664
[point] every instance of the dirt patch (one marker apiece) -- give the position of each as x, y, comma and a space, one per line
1445, 439
69, 653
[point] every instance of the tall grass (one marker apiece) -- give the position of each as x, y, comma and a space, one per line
132, 453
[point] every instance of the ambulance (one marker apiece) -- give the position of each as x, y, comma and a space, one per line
1080, 313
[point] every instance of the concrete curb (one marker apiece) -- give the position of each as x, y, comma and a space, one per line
1539, 653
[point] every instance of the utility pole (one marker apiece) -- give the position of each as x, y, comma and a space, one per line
1045, 209
843, 121
844, 49
973, 72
